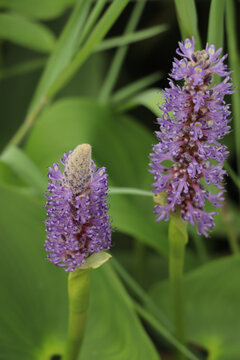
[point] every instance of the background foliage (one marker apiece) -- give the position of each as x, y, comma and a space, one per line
76, 71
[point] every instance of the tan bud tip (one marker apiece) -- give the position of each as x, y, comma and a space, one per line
78, 169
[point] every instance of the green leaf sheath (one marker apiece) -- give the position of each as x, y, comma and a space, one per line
78, 293
177, 239
187, 20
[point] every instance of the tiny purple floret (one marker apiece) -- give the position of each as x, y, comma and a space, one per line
194, 120
77, 223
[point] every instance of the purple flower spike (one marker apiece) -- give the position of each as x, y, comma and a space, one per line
194, 119
77, 224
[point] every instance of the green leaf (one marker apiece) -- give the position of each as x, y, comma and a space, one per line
33, 320
156, 316
62, 54
114, 310
151, 99
212, 297
43, 9
131, 89
133, 37
72, 121
24, 168
216, 23
118, 59
91, 20
80, 121
97, 34
26, 33
128, 217
158, 327
187, 20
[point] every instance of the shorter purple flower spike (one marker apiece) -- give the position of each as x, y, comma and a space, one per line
77, 224
194, 119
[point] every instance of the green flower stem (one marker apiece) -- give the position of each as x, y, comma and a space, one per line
78, 292
178, 239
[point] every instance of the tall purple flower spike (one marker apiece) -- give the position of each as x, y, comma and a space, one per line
194, 119
77, 224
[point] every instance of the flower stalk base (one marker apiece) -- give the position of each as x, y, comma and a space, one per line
78, 291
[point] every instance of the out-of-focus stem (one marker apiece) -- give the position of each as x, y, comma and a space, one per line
231, 234
139, 259
27, 124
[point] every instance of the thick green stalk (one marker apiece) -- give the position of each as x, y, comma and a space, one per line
78, 292
177, 239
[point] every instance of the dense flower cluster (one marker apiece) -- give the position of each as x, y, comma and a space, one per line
194, 119
77, 224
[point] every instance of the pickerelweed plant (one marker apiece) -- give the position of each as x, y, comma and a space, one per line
194, 120
78, 229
